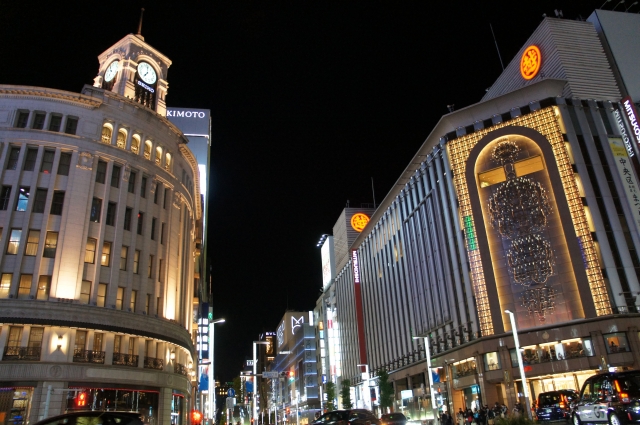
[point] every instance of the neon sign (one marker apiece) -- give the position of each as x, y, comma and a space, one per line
530, 62
359, 221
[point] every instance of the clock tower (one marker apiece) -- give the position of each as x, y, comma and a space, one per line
134, 69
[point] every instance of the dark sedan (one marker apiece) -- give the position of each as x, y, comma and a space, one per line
348, 417
393, 419
95, 417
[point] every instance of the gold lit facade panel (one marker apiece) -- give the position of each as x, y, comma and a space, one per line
546, 122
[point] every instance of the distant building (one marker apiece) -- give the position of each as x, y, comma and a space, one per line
100, 217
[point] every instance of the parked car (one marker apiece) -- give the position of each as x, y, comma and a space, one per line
95, 417
393, 419
610, 397
348, 417
555, 405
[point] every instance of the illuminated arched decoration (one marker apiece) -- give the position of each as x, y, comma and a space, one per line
107, 132
540, 125
530, 62
147, 150
359, 221
158, 155
135, 144
167, 162
121, 140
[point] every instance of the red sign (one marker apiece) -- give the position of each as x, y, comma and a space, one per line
527, 368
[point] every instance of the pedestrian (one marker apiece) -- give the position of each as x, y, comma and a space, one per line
460, 417
504, 410
490, 416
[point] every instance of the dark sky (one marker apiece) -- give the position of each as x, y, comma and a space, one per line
309, 101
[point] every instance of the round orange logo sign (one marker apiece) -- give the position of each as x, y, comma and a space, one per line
530, 62
359, 221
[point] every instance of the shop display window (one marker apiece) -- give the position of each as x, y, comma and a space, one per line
144, 402
492, 361
552, 351
616, 342
465, 368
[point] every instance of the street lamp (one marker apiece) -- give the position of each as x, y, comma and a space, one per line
525, 388
427, 351
255, 381
212, 376
366, 371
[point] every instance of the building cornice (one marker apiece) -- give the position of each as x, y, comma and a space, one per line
41, 93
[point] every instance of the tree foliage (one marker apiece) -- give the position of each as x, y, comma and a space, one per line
345, 394
386, 390
331, 396
238, 387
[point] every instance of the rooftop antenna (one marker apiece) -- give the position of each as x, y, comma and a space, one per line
498, 49
374, 193
140, 23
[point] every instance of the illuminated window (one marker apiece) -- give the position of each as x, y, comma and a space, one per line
158, 155
147, 150
521, 168
32, 243
132, 301
117, 344
124, 252
90, 251
107, 131
25, 286
50, 245
121, 140
167, 163
23, 199
136, 261
44, 285
106, 254
119, 298
85, 291
14, 241
5, 284
35, 337
135, 144
101, 299
616, 343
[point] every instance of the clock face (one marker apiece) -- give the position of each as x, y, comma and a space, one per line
111, 71
147, 73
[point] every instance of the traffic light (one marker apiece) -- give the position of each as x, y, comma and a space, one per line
196, 417
81, 400
292, 376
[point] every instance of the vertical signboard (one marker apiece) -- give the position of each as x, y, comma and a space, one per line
628, 177
355, 264
328, 262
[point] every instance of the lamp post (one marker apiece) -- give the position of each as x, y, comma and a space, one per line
366, 371
525, 388
427, 351
212, 376
254, 414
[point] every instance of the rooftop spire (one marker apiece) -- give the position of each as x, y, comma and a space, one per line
139, 34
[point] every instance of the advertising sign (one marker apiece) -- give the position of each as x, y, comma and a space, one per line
290, 325
191, 121
328, 262
628, 177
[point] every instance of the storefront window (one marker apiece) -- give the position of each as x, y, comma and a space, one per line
14, 405
552, 351
177, 409
464, 368
144, 402
616, 343
491, 361
577, 347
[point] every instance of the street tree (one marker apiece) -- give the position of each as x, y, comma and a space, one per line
345, 394
386, 390
331, 396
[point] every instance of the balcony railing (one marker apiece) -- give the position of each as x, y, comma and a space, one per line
178, 368
125, 359
153, 363
88, 356
21, 353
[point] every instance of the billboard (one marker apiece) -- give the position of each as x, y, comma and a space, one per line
290, 325
328, 262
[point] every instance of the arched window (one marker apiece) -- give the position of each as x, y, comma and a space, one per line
135, 144
158, 155
147, 149
121, 141
107, 131
167, 162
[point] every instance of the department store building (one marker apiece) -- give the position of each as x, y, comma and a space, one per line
527, 201
100, 222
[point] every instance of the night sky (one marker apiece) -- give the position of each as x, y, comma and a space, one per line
309, 101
